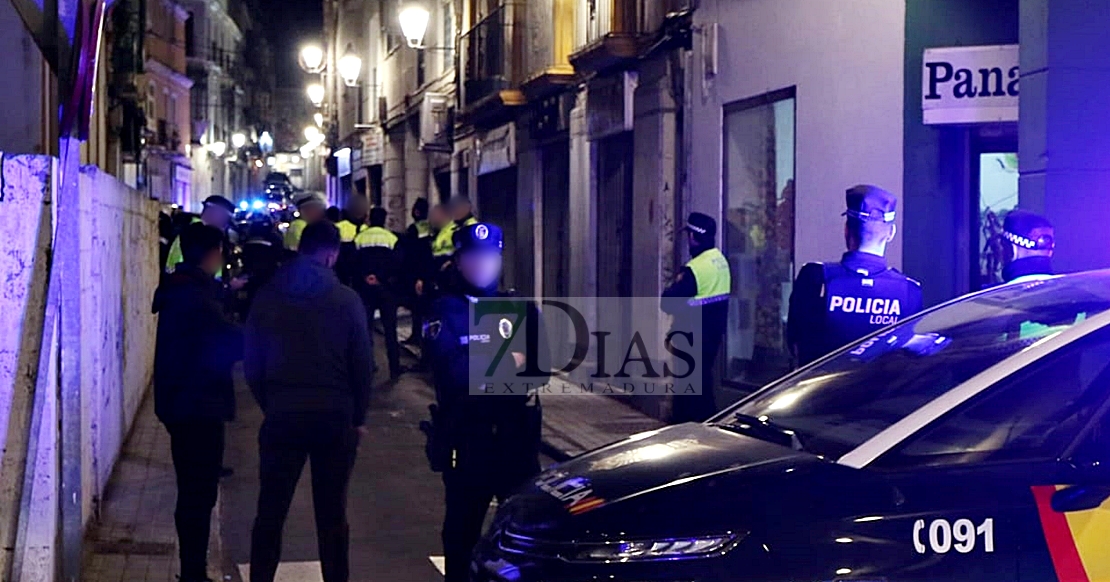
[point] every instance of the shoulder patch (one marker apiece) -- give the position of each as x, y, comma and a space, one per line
432, 329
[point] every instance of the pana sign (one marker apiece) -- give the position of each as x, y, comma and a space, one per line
975, 84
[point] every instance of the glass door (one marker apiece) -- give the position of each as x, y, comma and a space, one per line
994, 192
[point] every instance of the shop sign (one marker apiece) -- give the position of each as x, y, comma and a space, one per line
373, 146
435, 123
343, 162
497, 149
973, 84
609, 104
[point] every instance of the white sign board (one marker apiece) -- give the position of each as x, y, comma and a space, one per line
973, 84
497, 149
373, 146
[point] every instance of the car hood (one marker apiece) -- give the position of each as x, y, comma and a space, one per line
686, 477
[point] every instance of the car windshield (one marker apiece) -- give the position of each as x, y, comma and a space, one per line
839, 403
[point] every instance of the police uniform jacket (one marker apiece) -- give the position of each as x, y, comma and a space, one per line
834, 304
376, 254
1027, 267
493, 433
701, 292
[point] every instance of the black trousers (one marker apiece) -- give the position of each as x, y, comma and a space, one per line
197, 448
699, 407
468, 495
387, 306
284, 446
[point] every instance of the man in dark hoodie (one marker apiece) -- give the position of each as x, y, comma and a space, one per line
309, 364
194, 393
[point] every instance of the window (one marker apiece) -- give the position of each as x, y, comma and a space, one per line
758, 234
998, 194
840, 404
1033, 415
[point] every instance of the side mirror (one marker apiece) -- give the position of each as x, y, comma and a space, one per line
1080, 498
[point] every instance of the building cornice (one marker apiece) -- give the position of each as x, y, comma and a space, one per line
160, 69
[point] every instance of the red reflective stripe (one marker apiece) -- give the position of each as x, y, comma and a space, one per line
1058, 536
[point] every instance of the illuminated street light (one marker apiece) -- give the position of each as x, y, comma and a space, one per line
218, 148
350, 65
414, 19
271, 161
266, 142
316, 94
312, 133
238, 140
258, 163
312, 58
319, 119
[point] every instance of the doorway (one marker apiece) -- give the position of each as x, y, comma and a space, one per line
994, 193
614, 227
497, 204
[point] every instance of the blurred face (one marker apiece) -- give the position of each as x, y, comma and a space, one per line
357, 211
214, 216
213, 261
313, 213
481, 269
438, 217
460, 211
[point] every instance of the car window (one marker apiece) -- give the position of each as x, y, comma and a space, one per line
839, 403
1034, 414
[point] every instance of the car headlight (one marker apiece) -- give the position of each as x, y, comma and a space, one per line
668, 549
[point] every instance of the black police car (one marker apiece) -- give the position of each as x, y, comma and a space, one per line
969, 443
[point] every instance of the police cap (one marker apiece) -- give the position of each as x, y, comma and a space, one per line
309, 200
1028, 230
217, 201
702, 225
482, 236
870, 203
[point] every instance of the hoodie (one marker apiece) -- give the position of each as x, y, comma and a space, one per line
308, 345
197, 346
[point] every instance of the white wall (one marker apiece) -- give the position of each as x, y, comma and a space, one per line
845, 58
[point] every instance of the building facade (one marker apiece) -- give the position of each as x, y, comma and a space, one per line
166, 103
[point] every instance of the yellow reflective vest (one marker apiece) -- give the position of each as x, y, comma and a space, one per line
712, 275
293, 234
375, 237
349, 230
444, 244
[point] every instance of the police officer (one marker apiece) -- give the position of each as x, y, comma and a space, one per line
485, 445
699, 296
420, 227
834, 304
378, 265
443, 246
353, 223
311, 208
218, 212
262, 254
1033, 240
417, 250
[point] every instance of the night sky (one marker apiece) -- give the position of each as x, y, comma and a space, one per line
289, 23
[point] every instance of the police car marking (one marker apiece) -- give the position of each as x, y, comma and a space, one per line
569, 490
882, 311
897, 433
945, 536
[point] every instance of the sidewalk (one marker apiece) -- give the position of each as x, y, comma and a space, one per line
134, 538
573, 423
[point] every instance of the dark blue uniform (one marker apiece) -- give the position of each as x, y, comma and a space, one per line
485, 445
834, 304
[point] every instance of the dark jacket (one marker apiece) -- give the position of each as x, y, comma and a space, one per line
308, 346
196, 349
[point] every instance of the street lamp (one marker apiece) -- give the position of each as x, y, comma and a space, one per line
414, 19
266, 142
316, 94
350, 65
312, 133
312, 58
319, 119
218, 148
238, 140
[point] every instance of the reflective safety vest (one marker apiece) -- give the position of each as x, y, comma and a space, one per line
175, 255
293, 234
444, 244
423, 228
375, 237
349, 230
712, 275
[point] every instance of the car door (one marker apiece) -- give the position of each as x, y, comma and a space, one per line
972, 483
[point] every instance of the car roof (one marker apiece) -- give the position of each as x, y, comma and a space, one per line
898, 432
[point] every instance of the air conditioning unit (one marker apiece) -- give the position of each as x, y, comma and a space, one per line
435, 123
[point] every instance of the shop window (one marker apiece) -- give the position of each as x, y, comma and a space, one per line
758, 234
998, 194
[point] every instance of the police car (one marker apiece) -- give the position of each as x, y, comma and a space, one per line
969, 443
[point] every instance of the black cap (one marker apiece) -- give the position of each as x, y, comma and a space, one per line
310, 200
870, 203
1028, 230
219, 202
482, 236
702, 225
421, 204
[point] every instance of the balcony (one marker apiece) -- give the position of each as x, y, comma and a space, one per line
551, 71
614, 36
492, 67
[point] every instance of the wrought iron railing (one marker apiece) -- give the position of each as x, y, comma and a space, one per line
486, 50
